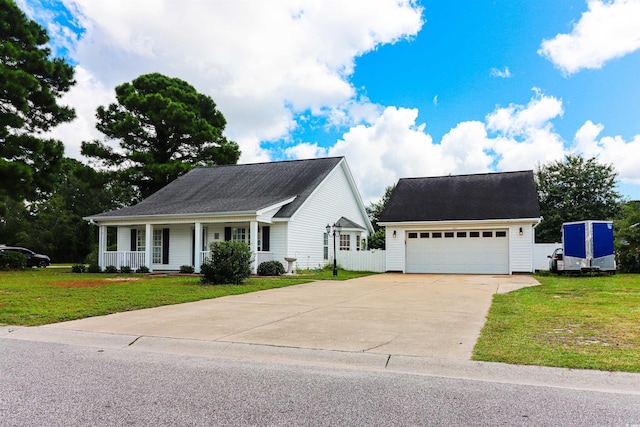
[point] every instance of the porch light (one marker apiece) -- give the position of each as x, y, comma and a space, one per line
335, 229
521, 232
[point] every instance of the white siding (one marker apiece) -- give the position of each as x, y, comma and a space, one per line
332, 199
395, 252
179, 246
278, 242
124, 238
521, 248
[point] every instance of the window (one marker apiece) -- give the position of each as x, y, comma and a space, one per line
487, 234
325, 243
448, 234
345, 242
216, 236
474, 234
141, 240
239, 235
424, 235
501, 234
413, 235
205, 239
461, 234
357, 242
157, 246
436, 235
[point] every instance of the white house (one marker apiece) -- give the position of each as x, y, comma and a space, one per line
281, 209
482, 223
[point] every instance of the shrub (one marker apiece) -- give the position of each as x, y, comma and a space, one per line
110, 269
125, 269
230, 262
270, 268
142, 269
186, 269
10, 260
92, 257
78, 268
94, 268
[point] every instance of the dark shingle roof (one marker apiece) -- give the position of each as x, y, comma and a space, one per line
507, 195
347, 223
234, 189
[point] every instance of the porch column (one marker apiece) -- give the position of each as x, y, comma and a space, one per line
253, 236
197, 247
102, 244
148, 249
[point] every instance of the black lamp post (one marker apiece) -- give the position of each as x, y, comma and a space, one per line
335, 228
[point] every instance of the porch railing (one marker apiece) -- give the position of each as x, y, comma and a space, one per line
121, 259
262, 256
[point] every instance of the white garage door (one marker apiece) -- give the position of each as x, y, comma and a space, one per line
459, 251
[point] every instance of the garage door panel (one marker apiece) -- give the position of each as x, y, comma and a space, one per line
489, 255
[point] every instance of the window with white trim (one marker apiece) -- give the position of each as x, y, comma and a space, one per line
157, 246
345, 242
205, 239
325, 243
141, 240
239, 235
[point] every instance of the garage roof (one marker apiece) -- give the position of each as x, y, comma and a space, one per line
506, 195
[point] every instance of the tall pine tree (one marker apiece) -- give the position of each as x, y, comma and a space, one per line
30, 84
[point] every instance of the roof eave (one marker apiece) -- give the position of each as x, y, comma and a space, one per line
187, 215
453, 222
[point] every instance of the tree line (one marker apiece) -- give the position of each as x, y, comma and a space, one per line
158, 129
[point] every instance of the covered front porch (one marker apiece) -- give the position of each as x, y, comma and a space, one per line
167, 246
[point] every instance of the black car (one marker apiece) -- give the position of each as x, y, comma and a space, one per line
556, 263
33, 259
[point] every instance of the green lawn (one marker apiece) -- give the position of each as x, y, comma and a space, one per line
571, 322
40, 296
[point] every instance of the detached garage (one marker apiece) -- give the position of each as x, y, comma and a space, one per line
473, 224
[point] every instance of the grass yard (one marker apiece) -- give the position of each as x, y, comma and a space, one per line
40, 296
571, 322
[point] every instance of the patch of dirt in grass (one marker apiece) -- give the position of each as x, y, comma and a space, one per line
578, 335
93, 283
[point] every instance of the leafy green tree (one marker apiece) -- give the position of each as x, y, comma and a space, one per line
374, 210
30, 84
627, 242
574, 189
164, 128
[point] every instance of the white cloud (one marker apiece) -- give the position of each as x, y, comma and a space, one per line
524, 135
305, 151
262, 62
517, 137
504, 74
85, 96
614, 150
607, 30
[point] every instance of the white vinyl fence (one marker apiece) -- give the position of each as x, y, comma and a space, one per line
373, 260
540, 253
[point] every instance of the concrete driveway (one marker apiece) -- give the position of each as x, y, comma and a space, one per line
397, 314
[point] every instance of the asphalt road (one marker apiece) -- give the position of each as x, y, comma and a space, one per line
56, 384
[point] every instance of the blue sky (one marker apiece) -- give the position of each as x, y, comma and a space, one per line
400, 88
